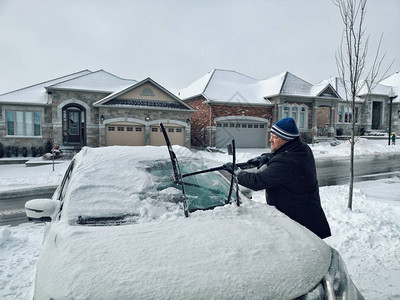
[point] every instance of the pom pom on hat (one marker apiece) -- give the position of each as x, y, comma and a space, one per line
286, 129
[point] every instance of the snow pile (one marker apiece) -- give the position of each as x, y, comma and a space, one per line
4, 235
368, 237
321, 150
19, 252
362, 147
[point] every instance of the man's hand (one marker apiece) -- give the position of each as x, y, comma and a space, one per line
229, 167
259, 161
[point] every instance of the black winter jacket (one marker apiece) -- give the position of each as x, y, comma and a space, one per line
290, 181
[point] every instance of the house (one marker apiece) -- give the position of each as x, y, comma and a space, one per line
92, 109
233, 105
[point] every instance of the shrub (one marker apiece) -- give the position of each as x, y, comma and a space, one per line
41, 151
306, 138
34, 151
1, 150
7, 151
24, 151
339, 131
15, 151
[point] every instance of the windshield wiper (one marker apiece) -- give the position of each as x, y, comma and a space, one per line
100, 221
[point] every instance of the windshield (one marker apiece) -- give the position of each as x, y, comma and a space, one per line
203, 191
117, 192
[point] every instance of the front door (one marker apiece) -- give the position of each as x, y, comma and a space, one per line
74, 125
376, 115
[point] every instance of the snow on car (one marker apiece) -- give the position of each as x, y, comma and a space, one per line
116, 230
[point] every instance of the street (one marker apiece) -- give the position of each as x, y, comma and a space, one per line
335, 171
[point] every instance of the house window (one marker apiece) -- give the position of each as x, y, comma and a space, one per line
346, 115
129, 128
255, 125
299, 112
111, 128
138, 129
225, 125
250, 126
237, 125
294, 113
286, 112
170, 130
120, 128
231, 125
179, 130
23, 123
154, 129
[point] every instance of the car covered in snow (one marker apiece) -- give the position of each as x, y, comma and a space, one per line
115, 229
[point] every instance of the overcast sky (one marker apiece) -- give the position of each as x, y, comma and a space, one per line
175, 42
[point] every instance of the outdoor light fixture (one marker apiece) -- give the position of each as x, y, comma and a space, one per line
188, 121
102, 118
391, 97
147, 119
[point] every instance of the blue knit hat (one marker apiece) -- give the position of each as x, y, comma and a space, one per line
286, 129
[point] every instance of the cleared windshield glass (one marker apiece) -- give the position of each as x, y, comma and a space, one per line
203, 191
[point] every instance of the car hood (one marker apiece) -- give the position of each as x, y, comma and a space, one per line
252, 251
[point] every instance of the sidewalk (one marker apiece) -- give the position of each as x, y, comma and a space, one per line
31, 192
34, 178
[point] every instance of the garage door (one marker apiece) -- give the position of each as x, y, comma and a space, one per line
176, 135
246, 134
125, 134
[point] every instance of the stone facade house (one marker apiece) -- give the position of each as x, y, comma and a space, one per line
92, 109
232, 105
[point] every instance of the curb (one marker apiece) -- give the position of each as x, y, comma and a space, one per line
31, 192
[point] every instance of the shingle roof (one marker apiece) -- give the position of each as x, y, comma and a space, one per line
99, 81
36, 94
225, 86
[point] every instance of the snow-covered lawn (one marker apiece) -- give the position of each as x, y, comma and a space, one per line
368, 237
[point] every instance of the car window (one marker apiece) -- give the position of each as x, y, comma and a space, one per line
203, 191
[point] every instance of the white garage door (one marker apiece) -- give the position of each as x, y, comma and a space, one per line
125, 134
245, 133
176, 135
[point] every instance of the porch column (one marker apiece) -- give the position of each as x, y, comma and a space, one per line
147, 134
314, 120
331, 131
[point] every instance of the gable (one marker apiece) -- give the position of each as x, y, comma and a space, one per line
147, 91
146, 94
328, 92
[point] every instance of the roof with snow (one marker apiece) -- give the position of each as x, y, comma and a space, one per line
37, 94
98, 81
394, 82
225, 86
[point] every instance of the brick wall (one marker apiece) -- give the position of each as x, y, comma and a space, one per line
205, 115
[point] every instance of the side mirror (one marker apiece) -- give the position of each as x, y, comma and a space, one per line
41, 210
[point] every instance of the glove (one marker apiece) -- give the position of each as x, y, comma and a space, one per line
259, 160
229, 167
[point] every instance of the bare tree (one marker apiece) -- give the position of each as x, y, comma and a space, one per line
351, 59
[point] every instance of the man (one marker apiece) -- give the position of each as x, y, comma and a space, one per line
290, 178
